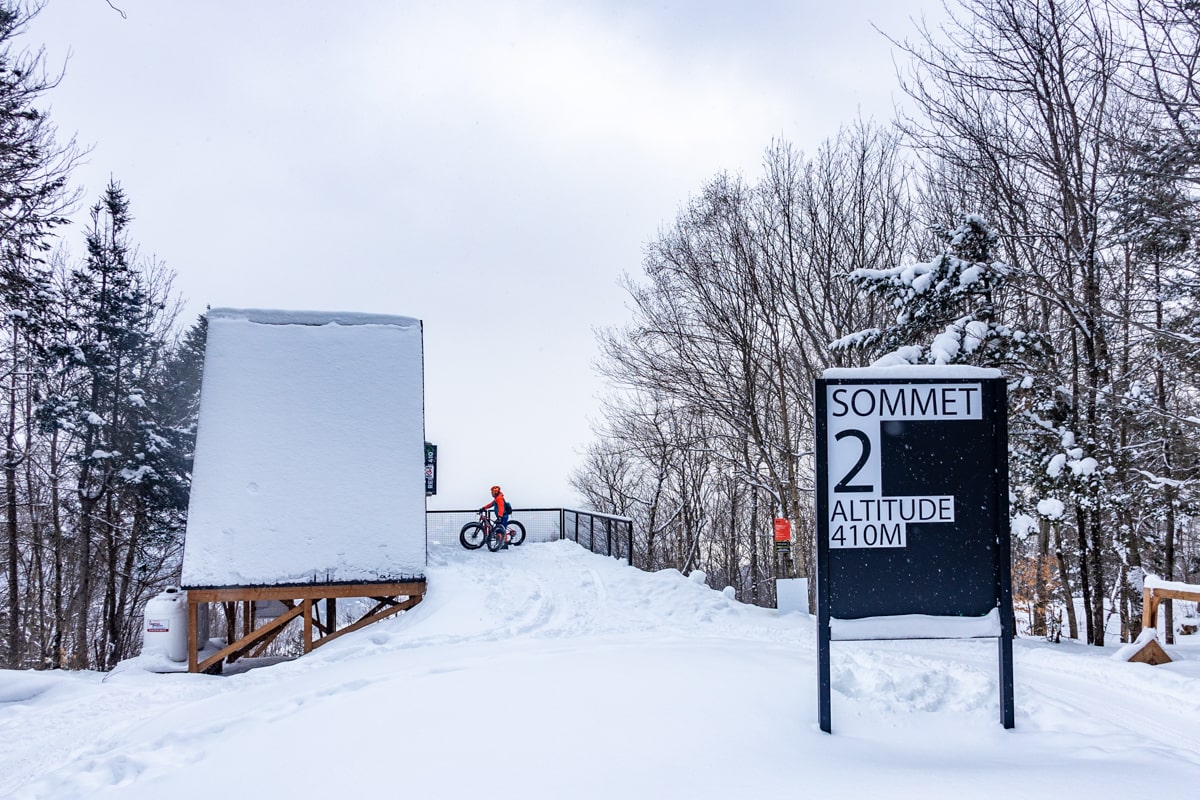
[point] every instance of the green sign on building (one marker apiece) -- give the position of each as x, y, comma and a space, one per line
430, 469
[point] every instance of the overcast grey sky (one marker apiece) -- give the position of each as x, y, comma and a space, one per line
492, 168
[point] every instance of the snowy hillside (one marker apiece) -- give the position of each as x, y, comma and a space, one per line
549, 672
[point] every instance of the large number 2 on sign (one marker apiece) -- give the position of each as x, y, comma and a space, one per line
844, 484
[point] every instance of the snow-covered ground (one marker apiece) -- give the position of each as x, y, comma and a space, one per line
549, 672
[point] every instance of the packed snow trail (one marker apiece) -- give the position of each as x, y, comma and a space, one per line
546, 672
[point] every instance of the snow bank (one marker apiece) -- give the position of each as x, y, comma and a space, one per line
601, 681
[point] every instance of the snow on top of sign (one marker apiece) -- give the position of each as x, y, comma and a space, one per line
309, 461
916, 626
280, 317
1154, 582
911, 372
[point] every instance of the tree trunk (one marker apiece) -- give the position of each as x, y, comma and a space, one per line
124, 588
57, 658
755, 572
37, 579
1064, 577
1096, 563
1085, 586
13, 634
1169, 561
1040, 594
1168, 461
1133, 560
80, 655
110, 623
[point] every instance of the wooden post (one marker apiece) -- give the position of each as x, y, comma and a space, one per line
308, 624
1149, 609
193, 646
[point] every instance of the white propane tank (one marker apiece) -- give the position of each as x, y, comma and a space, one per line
166, 624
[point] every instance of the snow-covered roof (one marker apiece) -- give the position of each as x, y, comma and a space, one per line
310, 451
269, 316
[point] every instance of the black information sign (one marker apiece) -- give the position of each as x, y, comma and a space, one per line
430, 469
912, 511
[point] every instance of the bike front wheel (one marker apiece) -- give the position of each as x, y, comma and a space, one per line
516, 532
495, 540
471, 536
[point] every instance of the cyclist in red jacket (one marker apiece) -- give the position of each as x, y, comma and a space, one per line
503, 510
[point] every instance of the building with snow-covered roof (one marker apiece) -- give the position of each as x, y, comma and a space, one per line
308, 482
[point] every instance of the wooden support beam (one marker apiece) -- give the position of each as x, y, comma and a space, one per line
1149, 609
383, 602
241, 645
301, 601
370, 618
266, 642
308, 624
193, 635
1175, 594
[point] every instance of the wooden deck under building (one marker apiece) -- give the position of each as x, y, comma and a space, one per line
315, 604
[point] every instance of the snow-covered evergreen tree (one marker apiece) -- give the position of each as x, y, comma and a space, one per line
169, 437
946, 308
108, 360
34, 171
951, 310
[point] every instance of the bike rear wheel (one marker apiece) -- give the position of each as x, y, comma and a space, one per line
516, 532
471, 536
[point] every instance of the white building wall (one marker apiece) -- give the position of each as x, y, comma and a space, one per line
310, 451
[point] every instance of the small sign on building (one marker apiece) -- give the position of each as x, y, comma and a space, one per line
430, 469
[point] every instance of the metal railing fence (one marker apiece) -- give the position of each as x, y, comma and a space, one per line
604, 534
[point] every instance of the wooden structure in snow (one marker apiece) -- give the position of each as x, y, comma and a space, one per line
1156, 590
1147, 649
1152, 597
316, 605
308, 482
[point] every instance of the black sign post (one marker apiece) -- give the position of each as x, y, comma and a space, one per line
912, 511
